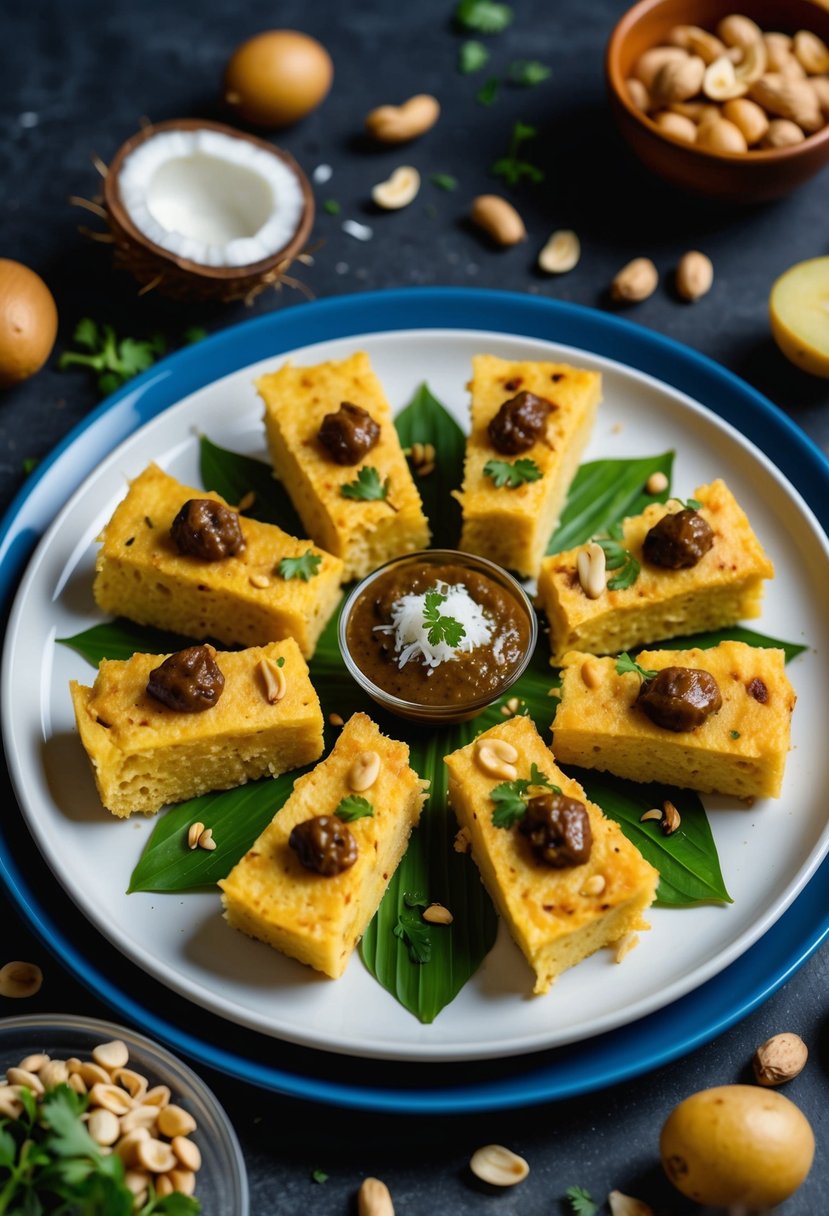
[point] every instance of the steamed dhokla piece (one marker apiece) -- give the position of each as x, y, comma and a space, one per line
557, 916
244, 599
318, 915
145, 754
724, 586
512, 525
738, 749
364, 531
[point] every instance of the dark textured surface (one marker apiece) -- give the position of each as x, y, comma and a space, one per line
77, 79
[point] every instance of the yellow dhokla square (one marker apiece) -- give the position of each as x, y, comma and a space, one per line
513, 526
724, 587
238, 601
363, 533
270, 895
741, 749
557, 916
145, 755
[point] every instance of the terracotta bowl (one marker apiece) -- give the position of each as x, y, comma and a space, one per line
746, 177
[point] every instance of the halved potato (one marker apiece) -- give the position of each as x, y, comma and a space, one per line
799, 313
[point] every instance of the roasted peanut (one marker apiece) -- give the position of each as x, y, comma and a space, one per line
720, 135
787, 98
20, 979
397, 124
634, 282
694, 275
498, 1166
650, 62
782, 134
561, 252
738, 30
638, 94
498, 218
400, 189
780, 1059
677, 126
678, 80
749, 117
811, 53
720, 82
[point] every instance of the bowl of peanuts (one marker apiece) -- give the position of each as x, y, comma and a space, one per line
137, 1102
726, 103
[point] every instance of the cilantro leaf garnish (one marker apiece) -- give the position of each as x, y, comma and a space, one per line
512, 473
415, 933
487, 92
354, 807
485, 16
529, 72
581, 1201
367, 487
472, 56
617, 557
444, 181
305, 566
413, 899
115, 361
318, 1175
688, 504
331, 207
194, 333
625, 664
441, 628
511, 167
510, 797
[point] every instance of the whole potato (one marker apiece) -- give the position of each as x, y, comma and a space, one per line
277, 77
737, 1145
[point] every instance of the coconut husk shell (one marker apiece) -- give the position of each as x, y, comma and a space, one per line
179, 278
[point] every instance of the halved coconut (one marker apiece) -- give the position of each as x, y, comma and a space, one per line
199, 210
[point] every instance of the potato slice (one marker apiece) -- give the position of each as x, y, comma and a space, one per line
799, 314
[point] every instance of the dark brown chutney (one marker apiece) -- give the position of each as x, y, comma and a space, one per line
468, 677
348, 435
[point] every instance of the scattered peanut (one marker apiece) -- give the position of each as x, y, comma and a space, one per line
677, 126
657, 483
594, 885
561, 252
653, 814
498, 219
498, 1166
206, 840
780, 1059
737, 30
398, 124
626, 1205
336, 720
694, 275
111, 1055
671, 819
634, 282
497, 758
273, 679
19, 980
436, 914
399, 190
591, 565
783, 134
749, 117
364, 771
260, 581
374, 1199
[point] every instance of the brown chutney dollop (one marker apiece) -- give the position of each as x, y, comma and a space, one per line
467, 677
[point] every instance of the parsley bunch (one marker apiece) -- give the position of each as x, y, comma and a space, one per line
50, 1163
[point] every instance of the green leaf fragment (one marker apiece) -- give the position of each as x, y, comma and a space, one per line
603, 493
625, 665
303, 567
319, 1176
367, 486
331, 207
488, 92
529, 72
411, 930
512, 474
440, 628
485, 16
444, 181
581, 1201
472, 56
354, 807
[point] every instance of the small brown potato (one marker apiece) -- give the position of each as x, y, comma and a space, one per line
28, 322
737, 1146
277, 77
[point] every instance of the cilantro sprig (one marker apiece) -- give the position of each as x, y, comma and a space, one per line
115, 361
412, 930
512, 168
617, 557
529, 72
472, 56
50, 1163
354, 807
512, 473
688, 504
305, 566
510, 797
485, 16
625, 665
441, 628
367, 487
581, 1201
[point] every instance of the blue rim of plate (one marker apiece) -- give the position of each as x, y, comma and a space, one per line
381, 1085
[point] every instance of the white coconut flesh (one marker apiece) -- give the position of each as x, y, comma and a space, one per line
211, 198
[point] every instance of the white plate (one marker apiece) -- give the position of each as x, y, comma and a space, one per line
767, 852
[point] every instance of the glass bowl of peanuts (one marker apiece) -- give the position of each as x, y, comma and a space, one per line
137, 1101
723, 100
